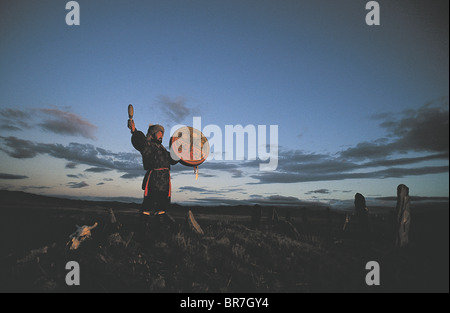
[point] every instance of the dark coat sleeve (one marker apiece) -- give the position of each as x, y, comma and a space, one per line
138, 140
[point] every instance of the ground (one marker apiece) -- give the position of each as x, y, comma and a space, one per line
295, 250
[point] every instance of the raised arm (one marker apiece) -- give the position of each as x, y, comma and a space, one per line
138, 139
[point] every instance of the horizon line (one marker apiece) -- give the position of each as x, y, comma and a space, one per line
282, 202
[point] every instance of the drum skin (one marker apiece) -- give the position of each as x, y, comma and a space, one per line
189, 145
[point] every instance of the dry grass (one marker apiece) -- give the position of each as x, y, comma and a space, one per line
231, 256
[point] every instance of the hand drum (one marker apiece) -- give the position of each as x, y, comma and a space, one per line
189, 146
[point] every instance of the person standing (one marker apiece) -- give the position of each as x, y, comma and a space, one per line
156, 161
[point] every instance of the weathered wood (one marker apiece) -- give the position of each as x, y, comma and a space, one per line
403, 213
193, 224
274, 217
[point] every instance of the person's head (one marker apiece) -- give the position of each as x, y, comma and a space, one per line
155, 133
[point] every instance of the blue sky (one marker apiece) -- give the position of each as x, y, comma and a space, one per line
359, 108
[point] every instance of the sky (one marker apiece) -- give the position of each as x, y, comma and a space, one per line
358, 108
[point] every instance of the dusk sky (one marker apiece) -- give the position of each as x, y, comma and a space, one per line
358, 108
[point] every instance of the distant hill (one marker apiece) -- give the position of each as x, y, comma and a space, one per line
25, 199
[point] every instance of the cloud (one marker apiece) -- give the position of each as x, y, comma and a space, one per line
215, 191
283, 199
298, 177
9, 127
14, 119
52, 120
424, 131
35, 187
67, 123
192, 188
319, 191
77, 185
132, 174
175, 109
18, 148
99, 159
405, 161
14, 114
97, 169
12, 176
234, 168
71, 165
377, 159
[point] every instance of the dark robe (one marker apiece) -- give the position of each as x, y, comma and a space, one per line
156, 160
